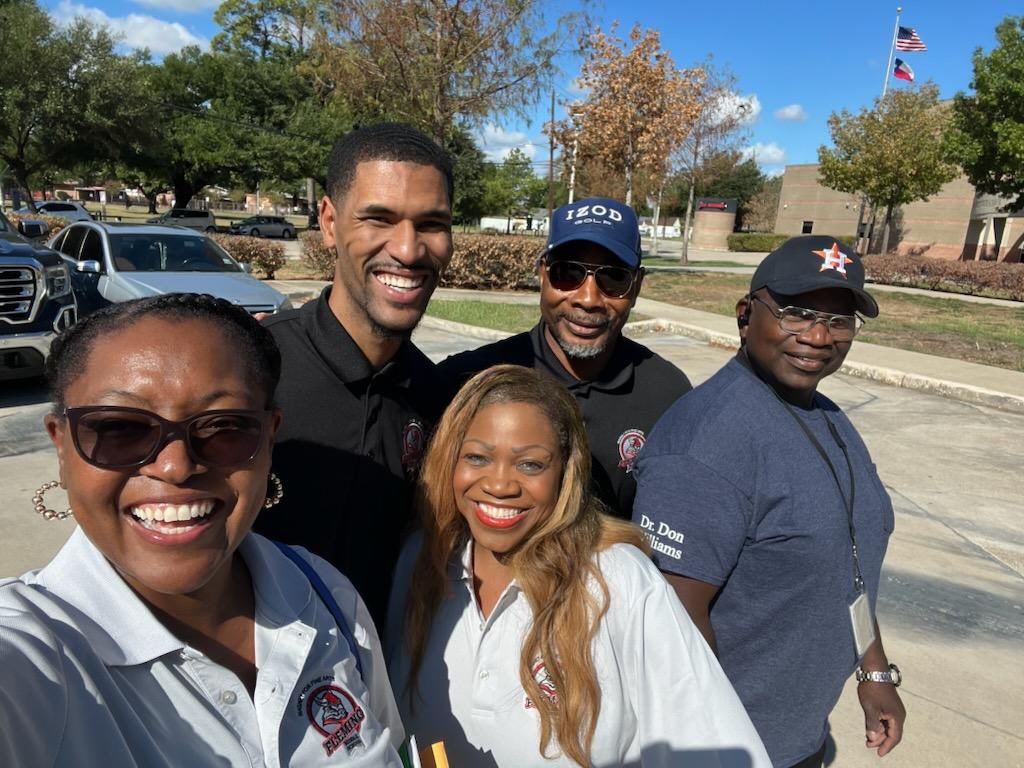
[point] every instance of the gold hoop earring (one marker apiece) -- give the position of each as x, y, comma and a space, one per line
273, 497
40, 506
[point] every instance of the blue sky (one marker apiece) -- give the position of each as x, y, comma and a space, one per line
796, 62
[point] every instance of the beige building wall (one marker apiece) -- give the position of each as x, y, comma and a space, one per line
940, 227
804, 199
936, 227
711, 229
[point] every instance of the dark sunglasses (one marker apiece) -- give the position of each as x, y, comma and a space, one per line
112, 437
613, 282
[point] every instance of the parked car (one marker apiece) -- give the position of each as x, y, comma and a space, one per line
71, 210
36, 300
202, 221
111, 262
264, 226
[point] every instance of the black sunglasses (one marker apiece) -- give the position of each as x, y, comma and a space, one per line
113, 437
613, 282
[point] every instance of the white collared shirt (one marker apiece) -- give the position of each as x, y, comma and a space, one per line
664, 699
91, 678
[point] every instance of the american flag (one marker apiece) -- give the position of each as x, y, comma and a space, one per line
907, 40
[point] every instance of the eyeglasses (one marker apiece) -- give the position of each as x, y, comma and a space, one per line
112, 437
613, 282
797, 320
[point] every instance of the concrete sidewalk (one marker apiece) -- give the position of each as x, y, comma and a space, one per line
969, 382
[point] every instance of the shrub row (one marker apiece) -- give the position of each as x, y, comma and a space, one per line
55, 223
493, 261
318, 259
262, 256
479, 261
981, 278
766, 241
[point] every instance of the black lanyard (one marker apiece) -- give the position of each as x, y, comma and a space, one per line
858, 578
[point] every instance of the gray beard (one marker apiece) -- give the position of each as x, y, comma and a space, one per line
581, 351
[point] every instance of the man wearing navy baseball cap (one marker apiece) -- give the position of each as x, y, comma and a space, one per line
590, 276
767, 515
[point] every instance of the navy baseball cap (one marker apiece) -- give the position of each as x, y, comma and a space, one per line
812, 262
599, 220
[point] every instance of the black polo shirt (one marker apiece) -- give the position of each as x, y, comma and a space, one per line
349, 445
619, 407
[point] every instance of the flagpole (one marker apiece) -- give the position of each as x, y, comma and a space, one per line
892, 49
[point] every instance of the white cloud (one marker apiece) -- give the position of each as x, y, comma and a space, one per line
793, 113
765, 154
731, 104
496, 143
135, 30
181, 6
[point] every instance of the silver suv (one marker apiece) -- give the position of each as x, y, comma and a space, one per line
202, 221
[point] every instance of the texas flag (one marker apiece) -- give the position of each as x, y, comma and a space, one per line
903, 71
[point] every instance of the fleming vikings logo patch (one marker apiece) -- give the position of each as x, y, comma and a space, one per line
336, 715
414, 442
834, 259
630, 443
547, 685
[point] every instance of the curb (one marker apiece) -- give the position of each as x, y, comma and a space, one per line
927, 384
475, 331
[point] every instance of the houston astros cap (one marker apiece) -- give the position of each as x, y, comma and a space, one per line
804, 264
599, 220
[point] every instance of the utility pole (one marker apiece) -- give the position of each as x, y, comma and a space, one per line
572, 169
551, 161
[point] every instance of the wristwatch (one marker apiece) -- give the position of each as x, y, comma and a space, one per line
892, 676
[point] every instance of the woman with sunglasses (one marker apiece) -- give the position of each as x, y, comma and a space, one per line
530, 629
164, 633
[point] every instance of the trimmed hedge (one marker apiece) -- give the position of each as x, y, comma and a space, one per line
54, 223
479, 261
493, 261
755, 241
318, 259
766, 241
262, 256
980, 278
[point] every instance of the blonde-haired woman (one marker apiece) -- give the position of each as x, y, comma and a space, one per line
528, 628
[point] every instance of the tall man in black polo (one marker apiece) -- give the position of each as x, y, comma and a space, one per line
358, 398
590, 277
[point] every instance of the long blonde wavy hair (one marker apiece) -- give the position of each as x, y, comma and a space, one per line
554, 565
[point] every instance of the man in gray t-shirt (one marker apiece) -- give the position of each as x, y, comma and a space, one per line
766, 513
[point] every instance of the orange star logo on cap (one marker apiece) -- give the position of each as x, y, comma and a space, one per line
834, 259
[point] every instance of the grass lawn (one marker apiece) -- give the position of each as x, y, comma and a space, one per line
514, 318
978, 333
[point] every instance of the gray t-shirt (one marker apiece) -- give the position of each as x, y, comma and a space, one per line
732, 492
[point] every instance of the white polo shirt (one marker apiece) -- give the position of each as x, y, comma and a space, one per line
664, 699
91, 678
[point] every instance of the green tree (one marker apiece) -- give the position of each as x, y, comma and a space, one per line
512, 187
893, 154
469, 167
67, 98
988, 126
267, 27
723, 175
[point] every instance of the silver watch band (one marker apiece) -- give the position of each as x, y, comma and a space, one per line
892, 676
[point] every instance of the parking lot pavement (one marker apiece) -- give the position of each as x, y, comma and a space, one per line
951, 606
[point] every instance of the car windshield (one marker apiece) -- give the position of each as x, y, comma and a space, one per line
168, 253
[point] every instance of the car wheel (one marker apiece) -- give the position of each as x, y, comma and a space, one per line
288, 234
211, 229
